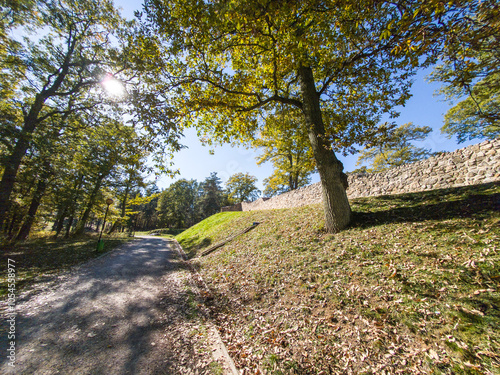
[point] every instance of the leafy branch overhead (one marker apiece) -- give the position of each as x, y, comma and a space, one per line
343, 65
284, 143
469, 72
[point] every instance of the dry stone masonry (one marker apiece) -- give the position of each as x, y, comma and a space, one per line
471, 165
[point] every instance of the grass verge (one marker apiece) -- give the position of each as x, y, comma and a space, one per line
411, 287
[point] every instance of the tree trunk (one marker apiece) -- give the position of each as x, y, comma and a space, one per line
80, 226
123, 206
333, 181
15, 217
14, 160
69, 225
71, 207
60, 221
35, 203
31, 120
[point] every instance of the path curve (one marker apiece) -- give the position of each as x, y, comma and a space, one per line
129, 312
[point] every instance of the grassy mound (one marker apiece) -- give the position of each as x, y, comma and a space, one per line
411, 287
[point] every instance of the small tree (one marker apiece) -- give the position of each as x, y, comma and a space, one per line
241, 187
394, 147
284, 142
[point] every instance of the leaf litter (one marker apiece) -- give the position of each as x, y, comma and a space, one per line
411, 287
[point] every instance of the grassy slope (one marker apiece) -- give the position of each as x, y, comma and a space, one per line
411, 287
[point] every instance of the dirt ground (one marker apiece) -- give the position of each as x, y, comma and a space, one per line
134, 311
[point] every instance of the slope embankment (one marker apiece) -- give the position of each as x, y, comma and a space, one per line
411, 287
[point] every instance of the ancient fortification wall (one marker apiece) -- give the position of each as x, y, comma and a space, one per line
471, 165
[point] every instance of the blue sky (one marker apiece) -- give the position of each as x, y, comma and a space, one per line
195, 162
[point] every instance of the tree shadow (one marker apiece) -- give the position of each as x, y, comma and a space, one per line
192, 245
465, 202
121, 306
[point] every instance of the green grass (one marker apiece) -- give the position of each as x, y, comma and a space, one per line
209, 232
412, 286
41, 258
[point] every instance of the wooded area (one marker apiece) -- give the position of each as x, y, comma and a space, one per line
91, 104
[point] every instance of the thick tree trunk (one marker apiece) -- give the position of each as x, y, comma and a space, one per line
35, 203
333, 181
80, 226
13, 162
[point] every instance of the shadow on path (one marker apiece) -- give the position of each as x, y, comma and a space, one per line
114, 315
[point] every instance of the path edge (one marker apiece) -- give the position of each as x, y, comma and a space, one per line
220, 349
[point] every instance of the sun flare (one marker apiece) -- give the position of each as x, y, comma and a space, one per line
113, 86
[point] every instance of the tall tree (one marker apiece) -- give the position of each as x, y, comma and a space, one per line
231, 61
393, 147
59, 65
211, 196
241, 187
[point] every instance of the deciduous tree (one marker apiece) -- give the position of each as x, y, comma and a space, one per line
393, 147
241, 187
58, 65
469, 71
284, 143
232, 61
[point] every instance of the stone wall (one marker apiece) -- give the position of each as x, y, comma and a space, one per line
471, 165
236, 207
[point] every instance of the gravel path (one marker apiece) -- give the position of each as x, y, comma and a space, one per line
133, 311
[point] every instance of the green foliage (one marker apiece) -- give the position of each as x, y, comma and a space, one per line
185, 203
241, 187
176, 205
142, 210
393, 147
469, 72
478, 115
284, 143
229, 63
211, 196
232, 61
64, 131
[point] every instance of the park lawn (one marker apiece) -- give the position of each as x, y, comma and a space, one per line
412, 286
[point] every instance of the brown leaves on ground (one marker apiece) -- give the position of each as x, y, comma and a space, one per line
401, 291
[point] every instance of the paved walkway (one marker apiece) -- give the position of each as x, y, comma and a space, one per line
132, 311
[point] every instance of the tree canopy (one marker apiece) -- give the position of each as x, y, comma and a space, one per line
469, 71
65, 142
284, 143
343, 64
241, 187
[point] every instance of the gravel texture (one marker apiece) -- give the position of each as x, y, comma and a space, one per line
136, 310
